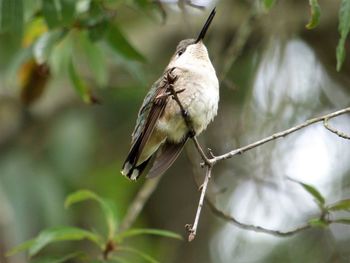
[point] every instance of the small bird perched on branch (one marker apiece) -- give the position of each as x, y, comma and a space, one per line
161, 129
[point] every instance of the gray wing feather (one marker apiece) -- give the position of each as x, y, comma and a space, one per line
145, 110
165, 158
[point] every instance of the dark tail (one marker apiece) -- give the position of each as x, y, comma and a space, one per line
130, 169
166, 157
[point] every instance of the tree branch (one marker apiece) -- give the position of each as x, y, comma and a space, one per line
254, 228
334, 130
150, 185
277, 135
192, 229
210, 163
139, 202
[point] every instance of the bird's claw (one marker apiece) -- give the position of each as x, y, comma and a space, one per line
191, 132
171, 77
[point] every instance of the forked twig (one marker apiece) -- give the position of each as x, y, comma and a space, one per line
192, 229
210, 162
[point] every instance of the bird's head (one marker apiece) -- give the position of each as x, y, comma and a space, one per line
189, 51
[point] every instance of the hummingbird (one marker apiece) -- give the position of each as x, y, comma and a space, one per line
161, 131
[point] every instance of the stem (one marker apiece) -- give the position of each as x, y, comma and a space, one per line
193, 230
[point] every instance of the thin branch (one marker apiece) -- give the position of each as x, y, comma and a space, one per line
139, 202
218, 212
210, 162
334, 130
193, 229
254, 228
205, 159
150, 185
277, 135
214, 159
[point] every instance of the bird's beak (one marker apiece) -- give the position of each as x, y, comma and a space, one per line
206, 26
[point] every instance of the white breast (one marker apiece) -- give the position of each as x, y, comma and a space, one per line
204, 103
200, 99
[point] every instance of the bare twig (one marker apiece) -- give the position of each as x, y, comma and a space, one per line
210, 162
150, 185
193, 229
205, 159
255, 228
277, 135
334, 130
139, 202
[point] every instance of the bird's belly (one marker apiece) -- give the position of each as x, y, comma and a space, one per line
201, 102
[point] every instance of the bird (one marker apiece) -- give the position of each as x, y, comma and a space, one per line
161, 131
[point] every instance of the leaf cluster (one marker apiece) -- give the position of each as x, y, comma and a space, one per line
326, 211
60, 34
109, 244
315, 14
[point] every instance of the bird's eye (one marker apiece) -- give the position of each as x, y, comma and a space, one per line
180, 52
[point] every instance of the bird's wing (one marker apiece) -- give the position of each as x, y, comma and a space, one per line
165, 158
145, 109
151, 110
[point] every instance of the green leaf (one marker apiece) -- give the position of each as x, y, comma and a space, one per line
11, 20
61, 259
95, 59
142, 3
118, 259
143, 255
11, 16
55, 234
340, 205
78, 196
68, 12
268, 4
59, 13
96, 22
343, 28
121, 45
317, 222
52, 13
107, 207
315, 14
80, 85
312, 191
147, 231
20, 248
61, 234
98, 30
44, 45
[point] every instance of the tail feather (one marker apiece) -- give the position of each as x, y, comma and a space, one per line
166, 157
134, 172
129, 166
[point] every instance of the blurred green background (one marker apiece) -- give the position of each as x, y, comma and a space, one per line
57, 58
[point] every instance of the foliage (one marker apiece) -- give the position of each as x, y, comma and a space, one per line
109, 244
315, 14
325, 210
343, 28
87, 25
45, 38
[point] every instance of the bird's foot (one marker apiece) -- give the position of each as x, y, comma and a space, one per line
191, 132
171, 77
